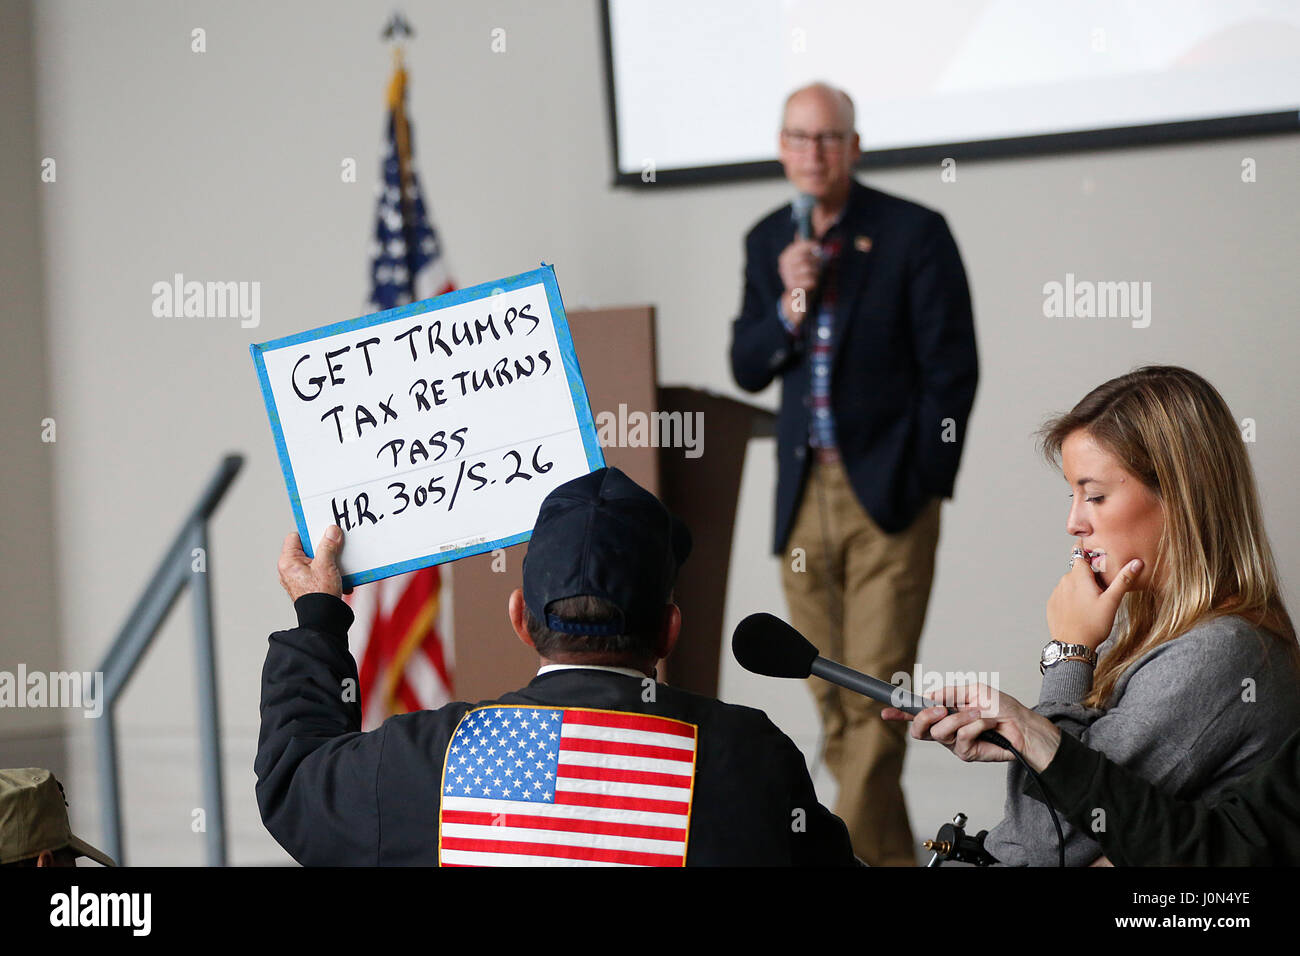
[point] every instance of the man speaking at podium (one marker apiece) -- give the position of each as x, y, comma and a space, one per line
858, 301
592, 763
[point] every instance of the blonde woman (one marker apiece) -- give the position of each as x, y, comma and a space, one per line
1171, 650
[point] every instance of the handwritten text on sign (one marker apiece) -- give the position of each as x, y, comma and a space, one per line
434, 434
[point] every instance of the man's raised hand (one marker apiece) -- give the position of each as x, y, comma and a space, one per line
301, 575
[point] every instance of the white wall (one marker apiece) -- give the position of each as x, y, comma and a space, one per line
30, 634
225, 165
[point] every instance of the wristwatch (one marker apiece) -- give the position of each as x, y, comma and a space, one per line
1055, 651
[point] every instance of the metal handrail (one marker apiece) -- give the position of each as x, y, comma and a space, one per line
175, 572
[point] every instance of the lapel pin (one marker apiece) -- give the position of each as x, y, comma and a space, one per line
862, 243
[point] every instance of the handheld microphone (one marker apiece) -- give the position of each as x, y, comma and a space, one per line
764, 644
801, 212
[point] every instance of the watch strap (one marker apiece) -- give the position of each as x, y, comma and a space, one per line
1065, 652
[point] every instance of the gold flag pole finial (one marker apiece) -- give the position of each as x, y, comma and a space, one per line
397, 32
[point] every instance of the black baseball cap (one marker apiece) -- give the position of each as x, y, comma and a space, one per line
604, 535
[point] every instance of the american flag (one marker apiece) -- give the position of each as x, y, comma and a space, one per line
407, 263
404, 663
545, 786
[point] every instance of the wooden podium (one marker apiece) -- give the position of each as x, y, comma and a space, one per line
616, 350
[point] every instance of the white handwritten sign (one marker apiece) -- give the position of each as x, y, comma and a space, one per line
431, 431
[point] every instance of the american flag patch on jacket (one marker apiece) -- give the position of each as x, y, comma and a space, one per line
544, 786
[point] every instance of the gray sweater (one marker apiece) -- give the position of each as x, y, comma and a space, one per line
1189, 716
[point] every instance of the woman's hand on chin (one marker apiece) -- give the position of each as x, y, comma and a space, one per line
1080, 611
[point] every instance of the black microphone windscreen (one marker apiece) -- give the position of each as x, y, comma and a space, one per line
765, 644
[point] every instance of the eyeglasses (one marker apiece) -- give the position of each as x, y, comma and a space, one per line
799, 140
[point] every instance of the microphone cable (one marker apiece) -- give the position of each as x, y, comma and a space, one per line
993, 737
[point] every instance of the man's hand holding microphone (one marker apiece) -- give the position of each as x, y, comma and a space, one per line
799, 266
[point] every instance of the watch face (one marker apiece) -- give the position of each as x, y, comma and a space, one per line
1051, 653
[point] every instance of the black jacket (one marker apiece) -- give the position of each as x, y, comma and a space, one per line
332, 795
903, 357
1254, 821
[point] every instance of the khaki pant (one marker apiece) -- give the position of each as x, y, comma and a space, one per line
877, 589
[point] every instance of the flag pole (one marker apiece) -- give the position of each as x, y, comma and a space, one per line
396, 32
404, 662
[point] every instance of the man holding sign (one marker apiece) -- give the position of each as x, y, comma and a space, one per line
594, 762
431, 431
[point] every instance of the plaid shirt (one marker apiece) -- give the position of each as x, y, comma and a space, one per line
821, 427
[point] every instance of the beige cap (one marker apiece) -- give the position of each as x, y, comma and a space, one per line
34, 818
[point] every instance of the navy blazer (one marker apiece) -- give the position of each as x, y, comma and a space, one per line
903, 360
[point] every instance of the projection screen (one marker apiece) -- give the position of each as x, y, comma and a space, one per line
696, 86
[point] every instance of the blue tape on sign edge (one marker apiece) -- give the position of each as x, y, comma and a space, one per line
545, 275
572, 371
282, 449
